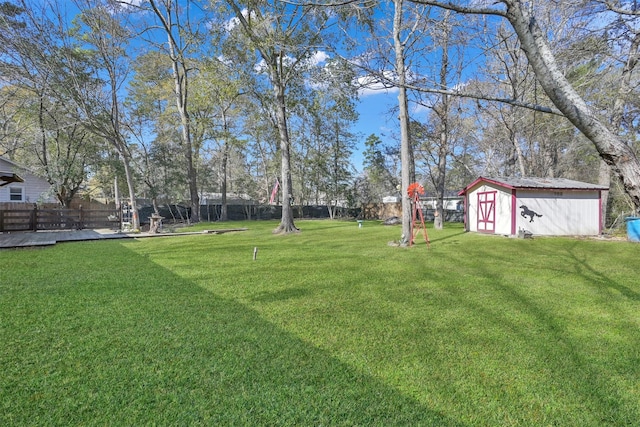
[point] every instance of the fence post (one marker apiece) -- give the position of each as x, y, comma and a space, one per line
33, 218
1, 221
80, 218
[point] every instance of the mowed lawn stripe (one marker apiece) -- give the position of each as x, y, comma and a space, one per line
331, 326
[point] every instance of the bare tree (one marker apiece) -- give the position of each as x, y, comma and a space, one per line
507, 70
285, 38
40, 129
102, 30
327, 116
442, 33
623, 33
181, 36
393, 64
406, 148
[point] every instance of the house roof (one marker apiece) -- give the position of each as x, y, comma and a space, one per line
532, 183
12, 163
8, 178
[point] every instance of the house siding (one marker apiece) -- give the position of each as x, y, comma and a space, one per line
35, 189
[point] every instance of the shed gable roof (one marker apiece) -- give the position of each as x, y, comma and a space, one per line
532, 183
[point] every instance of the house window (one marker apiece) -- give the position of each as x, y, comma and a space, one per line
16, 194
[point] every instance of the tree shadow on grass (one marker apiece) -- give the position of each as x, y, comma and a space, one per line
281, 295
444, 239
597, 278
153, 348
579, 377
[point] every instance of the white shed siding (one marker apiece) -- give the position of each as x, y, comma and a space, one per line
472, 208
471, 213
542, 206
501, 214
563, 212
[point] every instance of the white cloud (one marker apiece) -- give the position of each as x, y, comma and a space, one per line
376, 85
231, 24
418, 109
460, 86
260, 67
129, 3
319, 57
224, 60
235, 21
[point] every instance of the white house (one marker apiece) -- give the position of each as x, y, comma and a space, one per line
541, 206
18, 184
450, 203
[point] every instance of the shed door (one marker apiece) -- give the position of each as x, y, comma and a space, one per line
487, 212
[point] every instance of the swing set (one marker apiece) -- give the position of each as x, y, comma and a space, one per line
414, 191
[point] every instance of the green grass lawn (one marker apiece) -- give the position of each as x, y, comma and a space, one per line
330, 326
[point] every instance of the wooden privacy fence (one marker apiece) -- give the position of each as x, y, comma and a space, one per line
38, 218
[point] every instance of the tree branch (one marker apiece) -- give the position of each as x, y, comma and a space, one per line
614, 8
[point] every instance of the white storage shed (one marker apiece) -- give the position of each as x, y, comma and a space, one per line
541, 206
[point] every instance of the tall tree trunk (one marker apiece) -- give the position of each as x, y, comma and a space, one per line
135, 220
405, 136
225, 162
443, 148
223, 187
612, 149
624, 90
441, 170
121, 147
604, 178
181, 92
194, 197
515, 160
518, 152
286, 223
549, 159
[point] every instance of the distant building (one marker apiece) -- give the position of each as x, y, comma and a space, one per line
391, 199
18, 184
541, 206
449, 202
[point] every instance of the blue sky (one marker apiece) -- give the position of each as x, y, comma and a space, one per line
375, 117
374, 108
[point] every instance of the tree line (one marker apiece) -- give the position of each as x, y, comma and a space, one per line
182, 98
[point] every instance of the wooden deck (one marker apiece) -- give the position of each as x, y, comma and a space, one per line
21, 239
